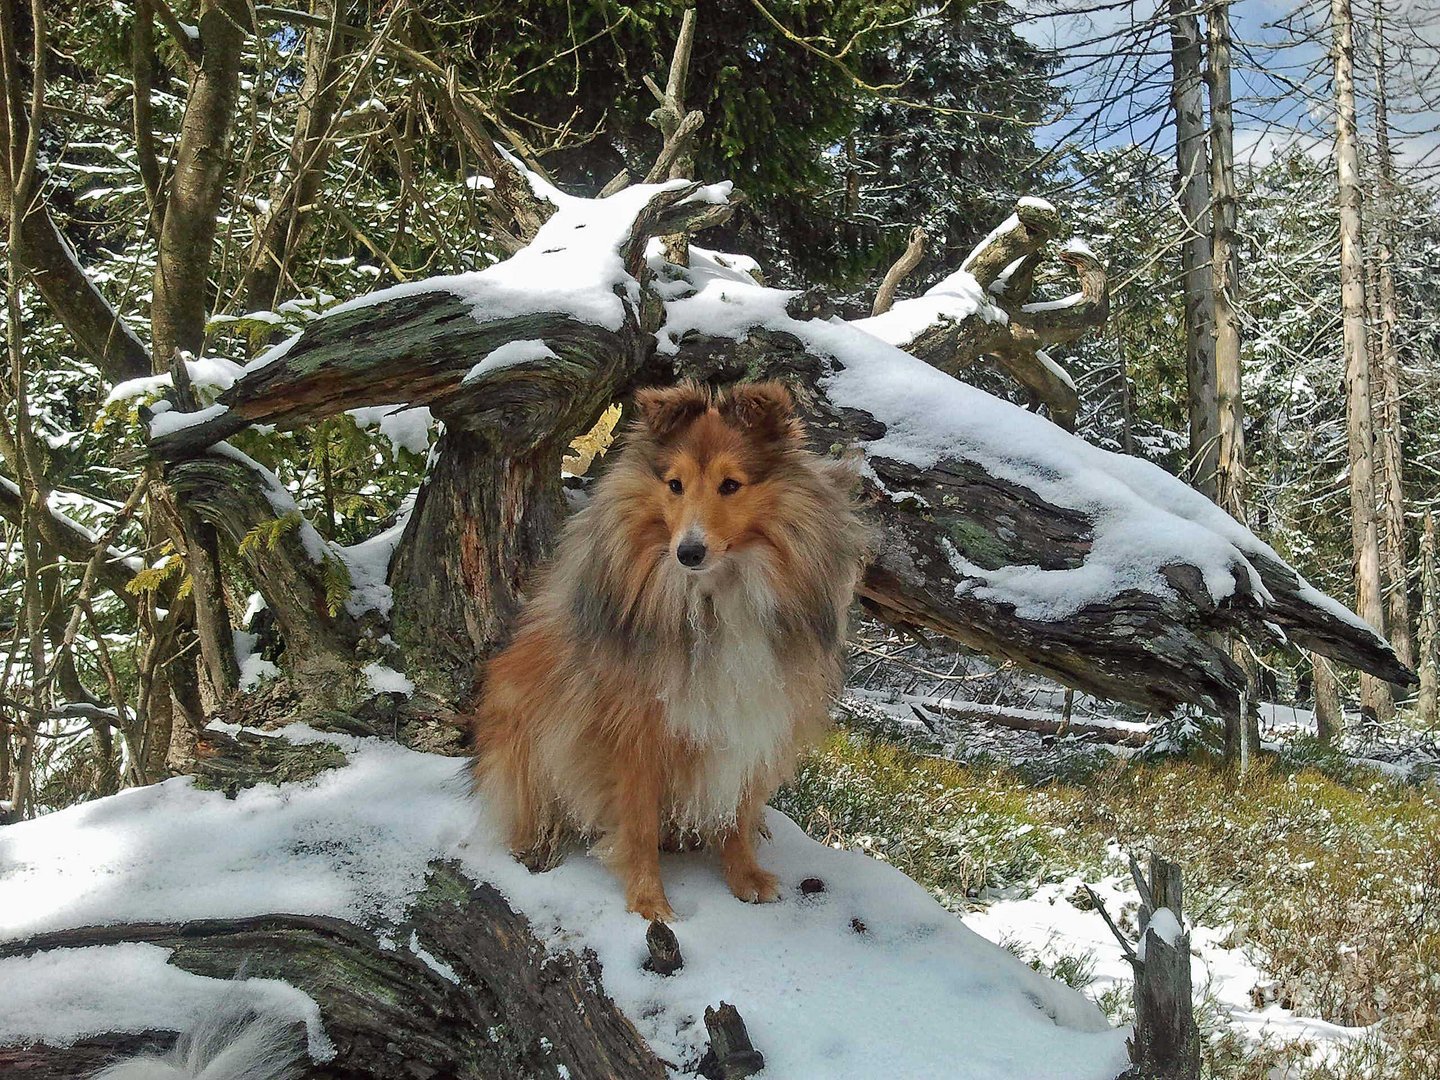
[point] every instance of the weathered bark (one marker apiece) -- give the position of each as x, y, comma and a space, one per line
1149, 650
230, 496
1429, 644
197, 543
1329, 709
1193, 190
1365, 539
518, 1011
1016, 343
491, 507
1392, 536
495, 483
1225, 271
415, 349
903, 266
1166, 1045
485, 517
212, 622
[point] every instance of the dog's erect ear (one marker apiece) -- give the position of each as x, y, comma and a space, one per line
666, 410
765, 409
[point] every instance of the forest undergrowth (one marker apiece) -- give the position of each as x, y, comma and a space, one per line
1325, 876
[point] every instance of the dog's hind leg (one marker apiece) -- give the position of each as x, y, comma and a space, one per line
505, 779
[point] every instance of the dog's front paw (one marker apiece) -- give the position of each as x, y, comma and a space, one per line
650, 904
753, 885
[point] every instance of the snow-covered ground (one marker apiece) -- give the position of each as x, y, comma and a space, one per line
1053, 923
916, 994
1050, 926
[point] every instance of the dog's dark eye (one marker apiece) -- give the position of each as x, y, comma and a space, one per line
729, 487
676, 486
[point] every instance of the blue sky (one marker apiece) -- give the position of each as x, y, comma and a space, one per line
1281, 80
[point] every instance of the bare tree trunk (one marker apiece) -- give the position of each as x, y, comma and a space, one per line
1429, 658
1369, 603
1225, 268
1242, 737
202, 159
1329, 712
1193, 192
483, 520
1167, 1041
1392, 537
182, 272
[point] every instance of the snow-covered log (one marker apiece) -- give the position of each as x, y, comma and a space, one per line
983, 310
372, 908
1000, 529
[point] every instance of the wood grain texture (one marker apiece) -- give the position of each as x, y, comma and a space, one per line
518, 1012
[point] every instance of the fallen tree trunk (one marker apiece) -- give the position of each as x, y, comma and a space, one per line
461, 987
512, 1012
999, 530
1040, 723
376, 915
1147, 648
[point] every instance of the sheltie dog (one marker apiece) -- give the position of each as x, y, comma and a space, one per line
681, 648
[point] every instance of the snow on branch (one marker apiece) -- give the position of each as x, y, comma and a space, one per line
981, 310
75, 542
1002, 530
574, 290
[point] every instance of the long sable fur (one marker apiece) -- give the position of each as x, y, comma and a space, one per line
640, 697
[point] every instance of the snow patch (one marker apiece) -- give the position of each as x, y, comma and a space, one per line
169, 421
871, 978
406, 427
63, 995
386, 680
524, 351
444, 970
254, 668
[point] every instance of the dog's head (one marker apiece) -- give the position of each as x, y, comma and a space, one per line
717, 461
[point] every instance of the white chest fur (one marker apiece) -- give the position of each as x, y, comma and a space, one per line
731, 705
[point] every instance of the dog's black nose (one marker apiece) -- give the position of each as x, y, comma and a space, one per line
691, 553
